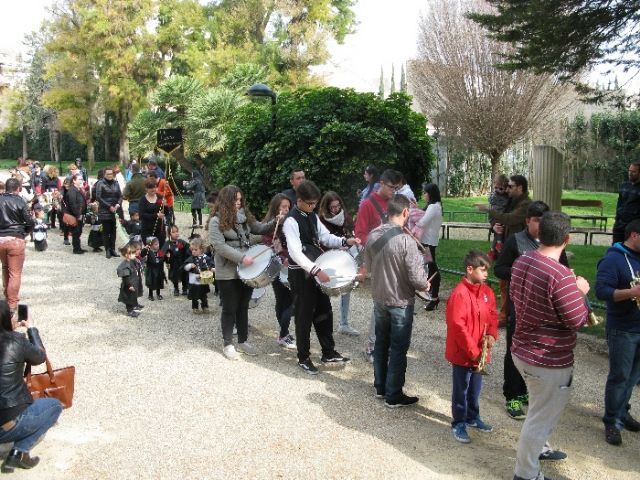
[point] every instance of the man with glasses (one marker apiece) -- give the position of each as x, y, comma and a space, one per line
303, 234
371, 214
512, 220
295, 178
109, 198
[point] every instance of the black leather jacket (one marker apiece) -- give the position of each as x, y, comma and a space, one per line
15, 351
108, 194
15, 218
75, 203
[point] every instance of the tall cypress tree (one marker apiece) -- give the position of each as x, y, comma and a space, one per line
393, 81
381, 86
403, 80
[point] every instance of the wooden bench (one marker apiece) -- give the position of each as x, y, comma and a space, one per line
591, 234
582, 232
447, 226
597, 204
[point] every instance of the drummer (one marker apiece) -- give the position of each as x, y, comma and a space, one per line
280, 205
303, 235
230, 229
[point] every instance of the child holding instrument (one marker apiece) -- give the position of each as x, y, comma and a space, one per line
198, 262
472, 329
176, 252
154, 275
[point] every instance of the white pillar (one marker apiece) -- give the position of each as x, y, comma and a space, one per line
546, 181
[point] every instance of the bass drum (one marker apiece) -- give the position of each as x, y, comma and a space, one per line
342, 270
265, 267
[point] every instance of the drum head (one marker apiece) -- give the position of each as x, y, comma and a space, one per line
39, 236
259, 264
339, 265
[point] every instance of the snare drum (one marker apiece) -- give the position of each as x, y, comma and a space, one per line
342, 270
206, 277
263, 271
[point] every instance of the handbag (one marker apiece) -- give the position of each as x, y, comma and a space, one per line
69, 220
57, 383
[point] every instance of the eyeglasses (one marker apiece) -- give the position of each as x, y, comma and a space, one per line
393, 188
311, 204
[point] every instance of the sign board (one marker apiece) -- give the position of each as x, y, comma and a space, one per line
169, 139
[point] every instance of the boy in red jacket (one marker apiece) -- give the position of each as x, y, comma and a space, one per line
471, 316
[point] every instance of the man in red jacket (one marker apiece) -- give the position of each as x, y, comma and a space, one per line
471, 320
371, 214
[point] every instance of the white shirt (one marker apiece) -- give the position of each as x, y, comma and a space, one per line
291, 232
431, 222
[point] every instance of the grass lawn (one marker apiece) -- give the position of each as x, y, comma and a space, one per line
451, 252
465, 211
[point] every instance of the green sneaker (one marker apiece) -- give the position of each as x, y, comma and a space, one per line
524, 399
514, 409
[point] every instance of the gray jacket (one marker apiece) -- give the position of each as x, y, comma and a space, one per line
397, 271
229, 249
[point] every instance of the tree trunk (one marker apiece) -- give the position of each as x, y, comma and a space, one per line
91, 154
495, 164
107, 147
123, 141
25, 152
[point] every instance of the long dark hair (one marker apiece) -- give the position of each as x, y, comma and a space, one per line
433, 191
274, 206
375, 175
329, 197
5, 316
225, 207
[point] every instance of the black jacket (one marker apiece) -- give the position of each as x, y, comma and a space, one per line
108, 195
16, 351
15, 218
75, 203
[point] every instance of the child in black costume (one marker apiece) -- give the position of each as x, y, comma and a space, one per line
132, 226
39, 232
196, 263
95, 235
154, 270
176, 252
131, 287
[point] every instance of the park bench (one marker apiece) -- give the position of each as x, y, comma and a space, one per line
447, 226
595, 204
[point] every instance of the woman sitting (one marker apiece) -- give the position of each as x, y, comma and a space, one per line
23, 420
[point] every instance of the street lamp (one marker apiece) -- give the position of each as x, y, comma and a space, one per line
262, 90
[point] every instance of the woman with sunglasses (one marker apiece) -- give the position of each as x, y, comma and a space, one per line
339, 223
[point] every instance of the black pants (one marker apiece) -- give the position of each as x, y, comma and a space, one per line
76, 233
513, 385
235, 297
109, 234
433, 268
185, 285
284, 306
203, 301
196, 212
311, 307
618, 233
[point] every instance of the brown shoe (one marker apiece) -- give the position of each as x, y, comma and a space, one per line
18, 459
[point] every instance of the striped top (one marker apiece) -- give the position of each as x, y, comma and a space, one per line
549, 311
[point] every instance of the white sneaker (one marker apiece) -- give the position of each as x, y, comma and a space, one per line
348, 330
230, 352
287, 342
247, 349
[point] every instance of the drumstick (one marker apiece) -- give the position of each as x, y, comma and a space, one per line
420, 247
263, 251
432, 277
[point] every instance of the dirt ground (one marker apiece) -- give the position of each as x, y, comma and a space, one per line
156, 399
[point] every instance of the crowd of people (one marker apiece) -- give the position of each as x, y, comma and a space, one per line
392, 240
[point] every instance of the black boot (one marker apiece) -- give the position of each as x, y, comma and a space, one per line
18, 459
114, 253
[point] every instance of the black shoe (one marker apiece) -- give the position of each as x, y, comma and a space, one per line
552, 455
159, 297
334, 357
379, 394
133, 313
108, 254
432, 305
176, 293
79, 252
66, 241
403, 401
114, 253
97, 249
17, 459
151, 299
308, 367
631, 424
185, 293
612, 435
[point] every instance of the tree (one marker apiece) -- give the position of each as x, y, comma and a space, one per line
392, 89
333, 134
564, 37
381, 85
403, 80
456, 83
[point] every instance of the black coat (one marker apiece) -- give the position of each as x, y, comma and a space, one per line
175, 255
107, 195
150, 224
16, 351
131, 273
75, 203
15, 218
154, 272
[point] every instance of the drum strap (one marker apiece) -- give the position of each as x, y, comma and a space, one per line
380, 243
384, 218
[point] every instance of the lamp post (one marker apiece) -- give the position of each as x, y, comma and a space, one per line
262, 90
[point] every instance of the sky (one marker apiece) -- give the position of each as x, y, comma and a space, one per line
386, 34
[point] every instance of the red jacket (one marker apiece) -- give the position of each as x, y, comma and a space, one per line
470, 307
368, 217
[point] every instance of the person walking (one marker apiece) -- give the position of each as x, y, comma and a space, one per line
75, 204
109, 200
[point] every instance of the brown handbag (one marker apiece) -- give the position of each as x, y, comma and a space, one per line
69, 220
52, 383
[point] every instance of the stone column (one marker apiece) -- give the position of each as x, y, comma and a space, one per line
546, 181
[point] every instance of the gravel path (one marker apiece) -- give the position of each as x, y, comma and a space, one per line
155, 398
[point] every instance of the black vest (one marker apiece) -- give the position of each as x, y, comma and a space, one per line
308, 227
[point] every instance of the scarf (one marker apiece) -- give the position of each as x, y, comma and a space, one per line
337, 220
240, 216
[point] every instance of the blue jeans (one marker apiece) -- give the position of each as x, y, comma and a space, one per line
624, 374
32, 424
345, 300
465, 395
393, 337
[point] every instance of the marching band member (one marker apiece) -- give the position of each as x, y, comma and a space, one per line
303, 234
230, 229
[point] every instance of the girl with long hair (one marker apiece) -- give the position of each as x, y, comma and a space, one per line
430, 223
